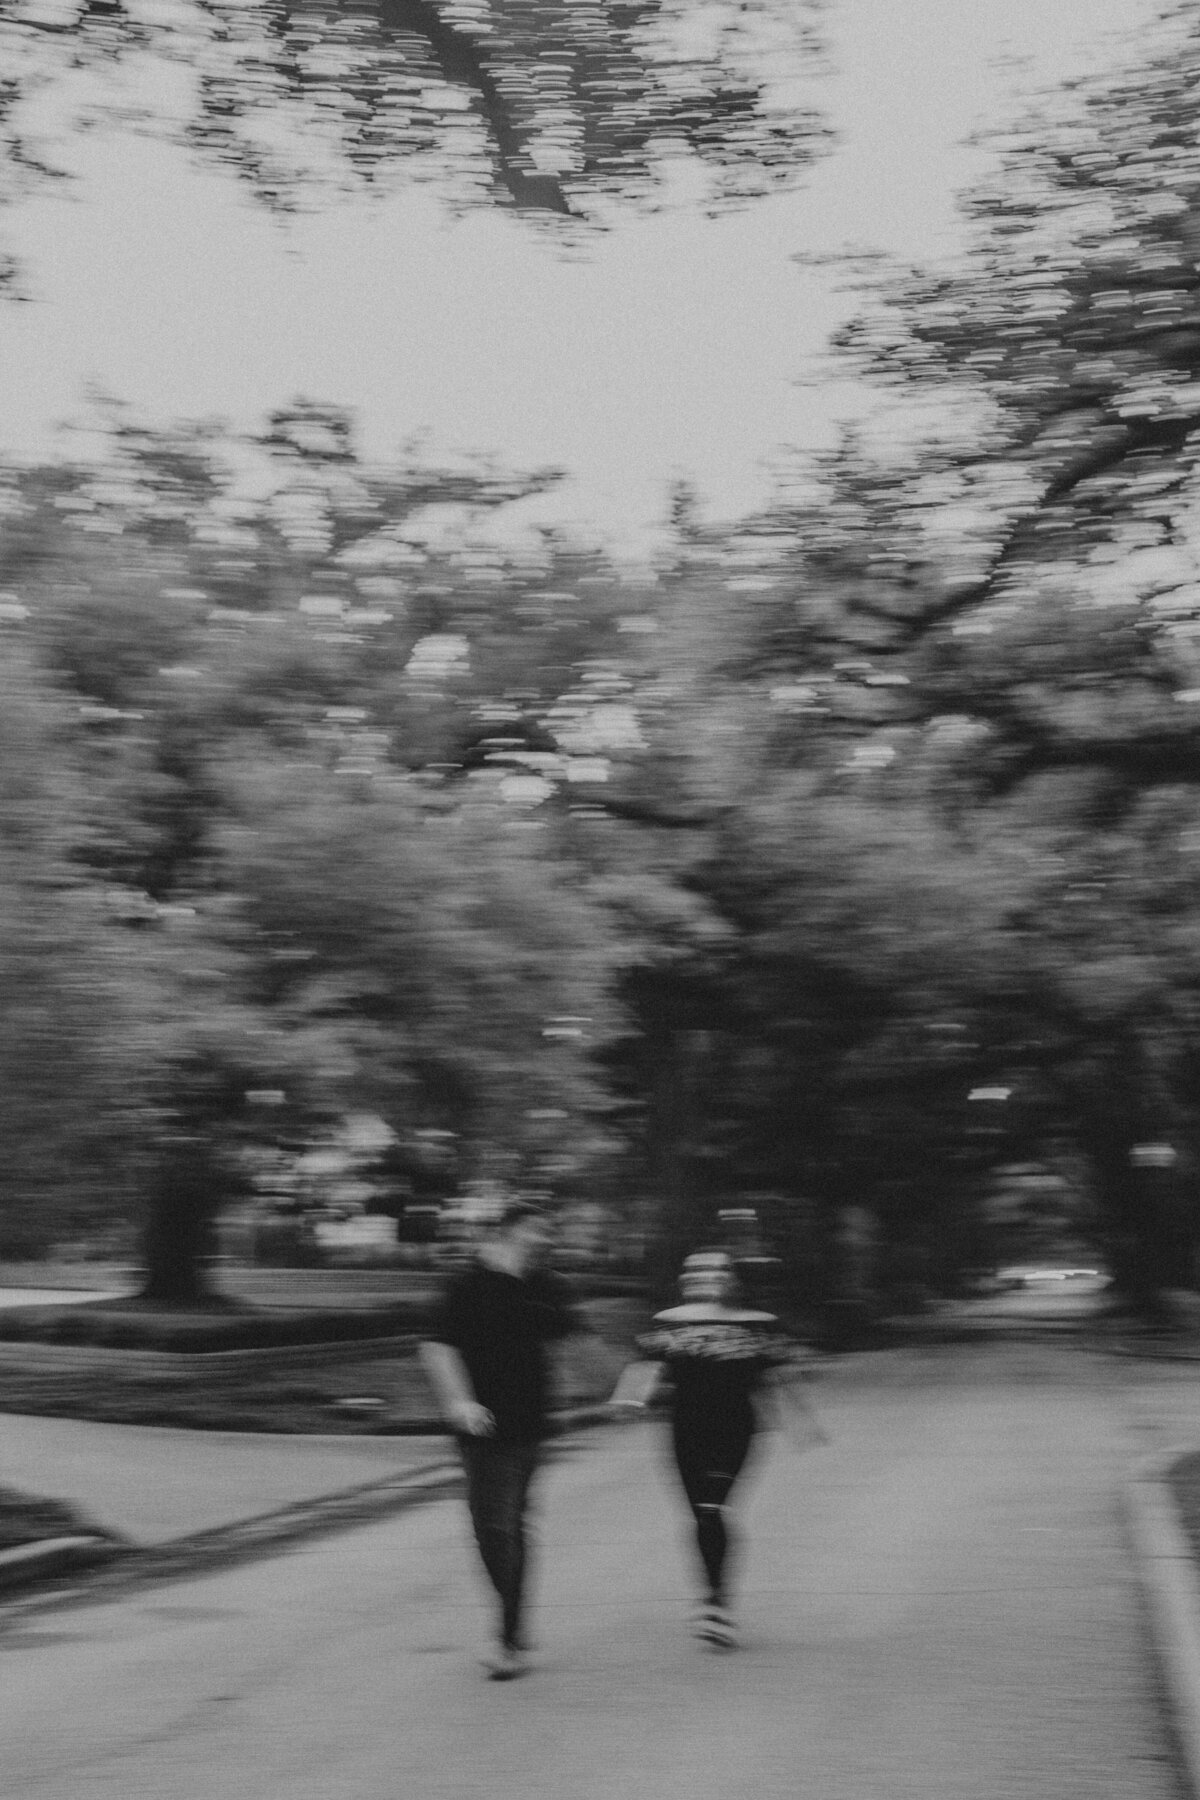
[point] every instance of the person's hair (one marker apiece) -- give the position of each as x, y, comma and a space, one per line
514, 1211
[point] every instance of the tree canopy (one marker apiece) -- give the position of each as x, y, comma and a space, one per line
845, 859
551, 107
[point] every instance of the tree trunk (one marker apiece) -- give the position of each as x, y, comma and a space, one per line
1138, 1205
676, 1061
179, 1235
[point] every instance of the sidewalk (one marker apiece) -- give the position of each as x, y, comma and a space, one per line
160, 1502
150, 1484
154, 1501
937, 1606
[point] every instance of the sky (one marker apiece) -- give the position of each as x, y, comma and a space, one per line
674, 348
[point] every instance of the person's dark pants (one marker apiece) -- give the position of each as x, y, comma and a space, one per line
709, 1463
498, 1481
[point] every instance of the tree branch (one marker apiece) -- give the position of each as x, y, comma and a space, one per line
645, 812
1106, 451
461, 65
1165, 757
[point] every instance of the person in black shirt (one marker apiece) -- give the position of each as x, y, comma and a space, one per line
719, 1357
486, 1356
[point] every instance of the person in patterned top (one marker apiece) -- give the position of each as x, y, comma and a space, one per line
719, 1357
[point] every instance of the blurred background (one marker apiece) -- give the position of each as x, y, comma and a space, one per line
782, 829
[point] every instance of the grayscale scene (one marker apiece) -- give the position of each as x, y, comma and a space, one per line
599, 899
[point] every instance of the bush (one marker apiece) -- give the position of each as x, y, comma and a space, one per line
116, 1325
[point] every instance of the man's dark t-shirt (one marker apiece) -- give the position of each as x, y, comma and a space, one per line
500, 1325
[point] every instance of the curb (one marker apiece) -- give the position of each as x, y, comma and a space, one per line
1154, 1345
74, 1578
344, 1507
25, 1564
1171, 1585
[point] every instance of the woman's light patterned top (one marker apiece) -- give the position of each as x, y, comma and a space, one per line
706, 1334
717, 1357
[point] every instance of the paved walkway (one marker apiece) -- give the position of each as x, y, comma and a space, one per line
150, 1483
1163, 1403
940, 1606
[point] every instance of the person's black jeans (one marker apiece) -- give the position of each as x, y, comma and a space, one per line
709, 1462
498, 1481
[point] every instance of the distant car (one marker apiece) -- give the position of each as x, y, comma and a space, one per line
1035, 1276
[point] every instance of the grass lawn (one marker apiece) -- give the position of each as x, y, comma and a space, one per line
309, 1400
394, 1393
134, 1324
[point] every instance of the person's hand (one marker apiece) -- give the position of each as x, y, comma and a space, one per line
472, 1419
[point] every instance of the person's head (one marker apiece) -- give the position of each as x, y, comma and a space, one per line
708, 1275
522, 1233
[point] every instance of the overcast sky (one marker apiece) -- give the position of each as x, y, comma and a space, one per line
672, 348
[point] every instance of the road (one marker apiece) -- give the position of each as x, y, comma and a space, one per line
937, 1607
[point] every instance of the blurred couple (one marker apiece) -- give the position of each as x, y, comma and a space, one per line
723, 1367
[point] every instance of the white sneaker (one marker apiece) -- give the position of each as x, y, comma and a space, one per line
503, 1663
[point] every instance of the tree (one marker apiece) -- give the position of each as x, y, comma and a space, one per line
696, 888
550, 107
69, 1113
1027, 571
813, 945
464, 968
298, 729
1064, 339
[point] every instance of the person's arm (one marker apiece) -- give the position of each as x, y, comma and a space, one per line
452, 1389
787, 1385
637, 1385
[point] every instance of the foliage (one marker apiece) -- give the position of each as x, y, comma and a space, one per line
553, 108
846, 858
310, 873
1030, 578
68, 1117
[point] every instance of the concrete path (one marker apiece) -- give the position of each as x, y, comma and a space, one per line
1162, 1401
150, 1483
938, 1607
